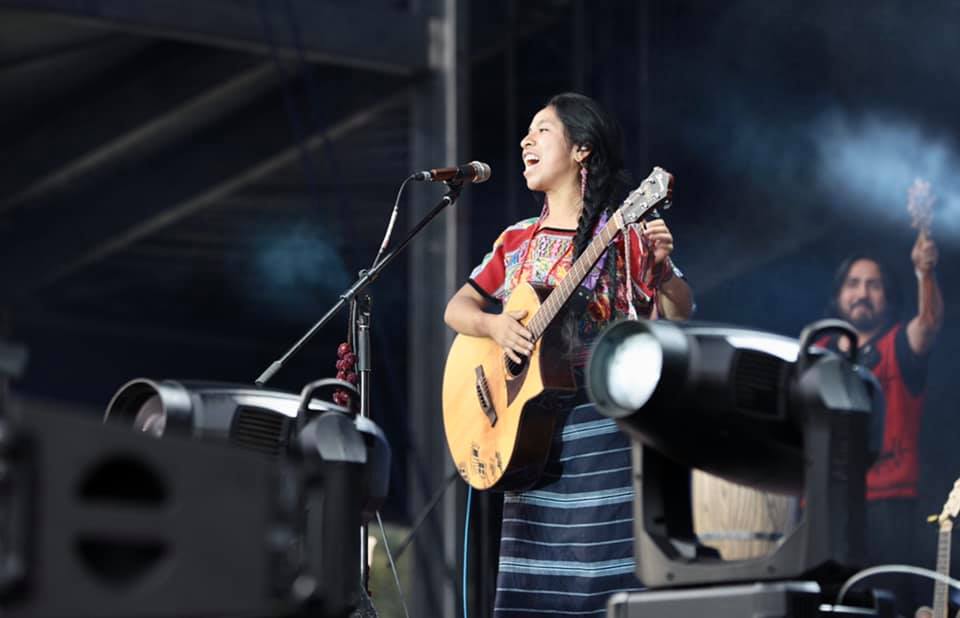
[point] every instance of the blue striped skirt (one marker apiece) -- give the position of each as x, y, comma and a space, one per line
567, 545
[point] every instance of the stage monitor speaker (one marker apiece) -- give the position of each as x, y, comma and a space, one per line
96, 520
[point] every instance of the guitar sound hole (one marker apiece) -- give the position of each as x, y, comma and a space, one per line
515, 369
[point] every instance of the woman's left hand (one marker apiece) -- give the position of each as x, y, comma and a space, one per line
658, 235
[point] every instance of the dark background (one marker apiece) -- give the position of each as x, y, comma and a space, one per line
151, 226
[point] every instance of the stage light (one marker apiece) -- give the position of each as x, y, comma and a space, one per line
247, 416
628, 389
258, 419
115, 521
755, 408
330, 468
724, 387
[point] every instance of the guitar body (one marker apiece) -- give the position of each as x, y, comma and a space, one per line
499, 422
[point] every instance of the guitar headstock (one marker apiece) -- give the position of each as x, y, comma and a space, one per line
951, 508
655, 190
920, 200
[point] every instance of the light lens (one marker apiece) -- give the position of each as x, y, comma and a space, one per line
151, 418
634, 370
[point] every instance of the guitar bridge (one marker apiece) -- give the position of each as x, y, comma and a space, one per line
483, 395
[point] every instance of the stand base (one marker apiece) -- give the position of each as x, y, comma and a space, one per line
767, 600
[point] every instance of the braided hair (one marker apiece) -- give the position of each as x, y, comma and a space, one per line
588, 125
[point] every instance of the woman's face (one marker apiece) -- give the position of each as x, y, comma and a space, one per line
549, 160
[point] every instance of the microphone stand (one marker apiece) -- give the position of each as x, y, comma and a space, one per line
360, 315
365, 279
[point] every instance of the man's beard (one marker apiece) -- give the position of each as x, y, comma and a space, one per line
867, 321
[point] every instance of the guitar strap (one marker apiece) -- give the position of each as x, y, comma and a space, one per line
631, 310
586, 289
590, 282
648, 293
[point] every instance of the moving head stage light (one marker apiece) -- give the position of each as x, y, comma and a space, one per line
255, 418
250, 417
99, 520
753, 408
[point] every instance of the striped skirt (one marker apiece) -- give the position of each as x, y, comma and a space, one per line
567, 545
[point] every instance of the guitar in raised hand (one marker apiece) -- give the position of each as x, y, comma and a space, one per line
950, 510
499, 415
920, 200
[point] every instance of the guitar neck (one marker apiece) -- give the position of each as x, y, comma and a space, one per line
578, 272
943, 567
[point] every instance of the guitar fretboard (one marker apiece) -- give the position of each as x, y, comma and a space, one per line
943, 567
652, 192
578, 272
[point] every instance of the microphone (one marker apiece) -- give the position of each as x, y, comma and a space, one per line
475, 171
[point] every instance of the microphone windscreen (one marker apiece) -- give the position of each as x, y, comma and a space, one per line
482, 171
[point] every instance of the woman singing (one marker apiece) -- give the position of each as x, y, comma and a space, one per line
567, 544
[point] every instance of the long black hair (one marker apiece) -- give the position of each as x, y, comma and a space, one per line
891, 291
588, 125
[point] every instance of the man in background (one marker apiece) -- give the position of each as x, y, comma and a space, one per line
896, 351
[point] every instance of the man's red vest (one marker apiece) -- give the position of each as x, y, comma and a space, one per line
894, 475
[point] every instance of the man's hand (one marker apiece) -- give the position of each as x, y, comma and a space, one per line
923, 329
924, 255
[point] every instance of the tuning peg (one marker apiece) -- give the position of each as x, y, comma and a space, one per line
932, 519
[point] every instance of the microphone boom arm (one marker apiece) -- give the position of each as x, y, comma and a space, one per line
365, 279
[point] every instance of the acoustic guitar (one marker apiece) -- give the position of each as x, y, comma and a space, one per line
950, 509
499, 415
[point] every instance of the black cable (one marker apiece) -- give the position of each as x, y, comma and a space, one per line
425, 513
393, 566
393, 220
466, 546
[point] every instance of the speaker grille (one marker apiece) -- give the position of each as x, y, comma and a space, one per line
259, 430
756, 377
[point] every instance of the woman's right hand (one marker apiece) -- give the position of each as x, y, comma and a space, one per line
505, 328
466, 314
